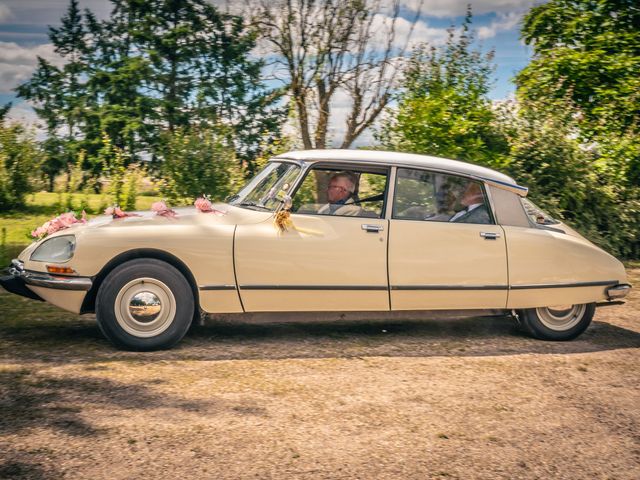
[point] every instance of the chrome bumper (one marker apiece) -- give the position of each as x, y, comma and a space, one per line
40, 279
618, 291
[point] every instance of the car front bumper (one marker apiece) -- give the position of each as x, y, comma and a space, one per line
18, 279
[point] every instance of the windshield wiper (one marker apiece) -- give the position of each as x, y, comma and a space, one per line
254, 204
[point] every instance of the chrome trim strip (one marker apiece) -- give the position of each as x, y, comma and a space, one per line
313, 287
57, 282
41, 279
217, 287
518, 189
391, 192
565, 285
449, 287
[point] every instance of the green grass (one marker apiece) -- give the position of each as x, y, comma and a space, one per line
56, 202
15, 226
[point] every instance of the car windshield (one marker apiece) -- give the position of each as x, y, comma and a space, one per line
267, 189
536, 214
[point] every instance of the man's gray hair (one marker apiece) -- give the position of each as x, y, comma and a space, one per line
347, 176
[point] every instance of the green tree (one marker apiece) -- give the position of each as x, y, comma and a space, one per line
443, 108
574, 182
166, 65
586, 70
151, 67
588, 50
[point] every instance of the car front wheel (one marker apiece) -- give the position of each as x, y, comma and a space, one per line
559, 322
145, 304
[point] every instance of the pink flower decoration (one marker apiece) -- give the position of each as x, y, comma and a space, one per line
58, 223
161, 209
204, 205
116, 212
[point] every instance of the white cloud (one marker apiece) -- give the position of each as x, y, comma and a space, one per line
455, 8
504, 21
420, 33
49, 12
5, 12
17, 62
23, 114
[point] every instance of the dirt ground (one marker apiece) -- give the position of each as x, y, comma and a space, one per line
402, 399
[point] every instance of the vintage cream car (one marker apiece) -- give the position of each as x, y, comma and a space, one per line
367, 231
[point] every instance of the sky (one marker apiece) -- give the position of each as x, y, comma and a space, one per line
24, 25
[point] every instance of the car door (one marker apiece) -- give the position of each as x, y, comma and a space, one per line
441, 257
323, 262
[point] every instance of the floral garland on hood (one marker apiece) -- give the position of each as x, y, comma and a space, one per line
65, 220
116, 212
163, 210
62, 221
204, 205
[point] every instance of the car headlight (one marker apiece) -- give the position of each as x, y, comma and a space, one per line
57, 249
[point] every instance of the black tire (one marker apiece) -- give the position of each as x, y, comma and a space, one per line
144, 305
546, 323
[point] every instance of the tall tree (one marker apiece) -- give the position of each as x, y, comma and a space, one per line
333, 48
152, 67
443, 107
586, 63
588, 51
185, 64
59, 93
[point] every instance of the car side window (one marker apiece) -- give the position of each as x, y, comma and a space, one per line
437, 197
341, 192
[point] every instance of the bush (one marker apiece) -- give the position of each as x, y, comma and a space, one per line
197, 163
581, 184
132, 178
19, 159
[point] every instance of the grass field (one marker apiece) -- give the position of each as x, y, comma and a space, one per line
15, 226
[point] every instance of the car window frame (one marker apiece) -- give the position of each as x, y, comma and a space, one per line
483, 186
345, 166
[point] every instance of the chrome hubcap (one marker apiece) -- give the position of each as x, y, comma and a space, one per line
562, 317
145, 307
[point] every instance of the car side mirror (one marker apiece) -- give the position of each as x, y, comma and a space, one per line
287, 202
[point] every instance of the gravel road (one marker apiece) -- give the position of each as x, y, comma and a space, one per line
383, 399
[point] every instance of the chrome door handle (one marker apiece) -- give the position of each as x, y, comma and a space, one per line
372, 228
489, 235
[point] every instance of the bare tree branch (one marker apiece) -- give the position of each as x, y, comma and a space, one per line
334, 46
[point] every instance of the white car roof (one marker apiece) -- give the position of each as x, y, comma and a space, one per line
406, 159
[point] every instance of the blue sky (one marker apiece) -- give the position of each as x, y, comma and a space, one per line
23, 36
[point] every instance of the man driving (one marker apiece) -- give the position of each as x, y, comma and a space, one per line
340, 193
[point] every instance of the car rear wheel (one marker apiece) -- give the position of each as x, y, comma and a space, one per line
145, 304
562, 322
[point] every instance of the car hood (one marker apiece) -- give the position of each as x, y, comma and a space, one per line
227, 215
223, 215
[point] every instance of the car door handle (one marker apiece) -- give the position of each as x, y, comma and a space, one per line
372, 228
489, 235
